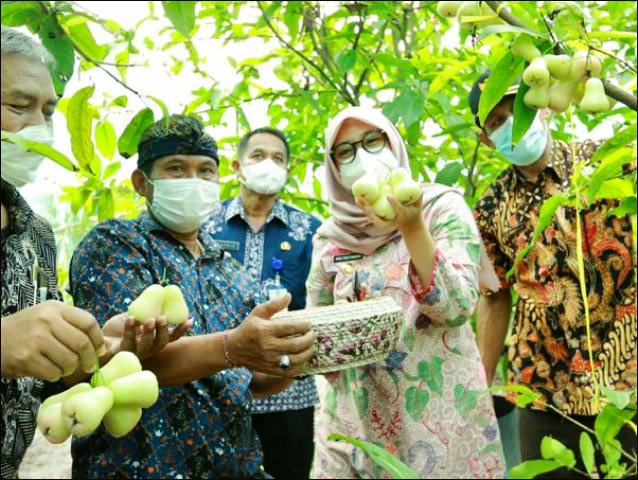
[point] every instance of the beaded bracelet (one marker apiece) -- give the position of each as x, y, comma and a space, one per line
229, 360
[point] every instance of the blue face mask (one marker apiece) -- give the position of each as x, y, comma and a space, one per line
529, 148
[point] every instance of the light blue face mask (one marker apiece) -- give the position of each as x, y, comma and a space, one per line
529, 148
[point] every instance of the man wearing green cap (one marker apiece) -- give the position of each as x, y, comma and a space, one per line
201, 425
548, 349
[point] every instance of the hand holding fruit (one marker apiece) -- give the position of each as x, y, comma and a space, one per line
398, 202
49, 341
259, 341
117, 394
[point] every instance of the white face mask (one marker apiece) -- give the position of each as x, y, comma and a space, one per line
19, 165
265, 177
183, 204
380, 163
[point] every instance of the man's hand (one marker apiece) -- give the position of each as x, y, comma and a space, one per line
50, 340
259, 342
124, 333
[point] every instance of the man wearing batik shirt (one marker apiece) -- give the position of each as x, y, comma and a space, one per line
548, 347
201, 425
274, 243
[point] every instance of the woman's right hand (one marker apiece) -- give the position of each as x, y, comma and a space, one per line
259, 342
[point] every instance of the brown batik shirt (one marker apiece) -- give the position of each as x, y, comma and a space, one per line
548, 349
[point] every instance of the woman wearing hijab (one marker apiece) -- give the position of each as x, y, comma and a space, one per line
427, 403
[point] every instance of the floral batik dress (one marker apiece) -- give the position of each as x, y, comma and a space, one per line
427, 403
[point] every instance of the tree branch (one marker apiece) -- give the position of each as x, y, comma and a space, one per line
301, 55
366, 71
470, 173
611, 90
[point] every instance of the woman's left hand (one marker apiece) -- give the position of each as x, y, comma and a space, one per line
407, 216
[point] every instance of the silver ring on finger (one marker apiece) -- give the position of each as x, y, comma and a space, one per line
284, 362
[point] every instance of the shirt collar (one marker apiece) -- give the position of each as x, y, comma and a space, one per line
236, 208
557, 165
20, 213
151, 225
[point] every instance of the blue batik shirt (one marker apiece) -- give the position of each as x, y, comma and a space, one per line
286, 235
202, 429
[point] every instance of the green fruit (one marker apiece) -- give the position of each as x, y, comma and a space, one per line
522, 46
382, 207
87, 409
559, 66
407, 191
584, 63
367, 187
148, 304
120, 420
136, 390
476, 9
579, 92
594, 100
537, 97
536, 74
121, 365
397, 176
448, 9
174, 309
560, 95
55, 427
61, 397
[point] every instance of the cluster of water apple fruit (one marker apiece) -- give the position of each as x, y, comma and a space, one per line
119, 390
375, 189
555, 81
116, 396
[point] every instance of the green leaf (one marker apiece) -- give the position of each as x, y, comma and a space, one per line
130, 138
616, 189
612, 165
523, 115
621, 139
416, 400
105, 138
391, 464
81, 36
618, 398
16, 14
55, 40
121, 101
533, 468
111, 169
181, 15
361, 399
331, 402
503, 76
449, 174
409, 106
404, 66
587, 452
41, 148
346, 60
552, 449
612, 35
165, 113
79, 121
545, 219
524, 395
627, 207
609, 422
292, 16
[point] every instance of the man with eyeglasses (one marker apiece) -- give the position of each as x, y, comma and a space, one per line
548, 349
274, 243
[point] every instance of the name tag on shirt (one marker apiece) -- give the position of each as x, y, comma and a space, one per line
228, 245
350, 257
